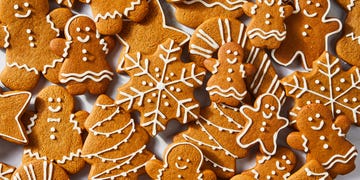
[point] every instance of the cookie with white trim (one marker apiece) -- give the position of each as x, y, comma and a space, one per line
6, 171
54, 131
85, 67
348, 47
278, 166
26, 30
308, 31
323, 139
194, 12
229, 66
263, 123
109, 14
67, 3
311, 170
161, 87
116, 145
180, 161
266, 28
329, 84
39, 169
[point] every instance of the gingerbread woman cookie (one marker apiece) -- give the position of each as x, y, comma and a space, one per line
116, 145
161, 87
194, 12
27, 30
54, 131
324, 139
181, 161
229, 65
308, 31
6, 171
263, 124
109, 14
267, 28
311, 170
39, 169
348, 47
85, 67
278, 166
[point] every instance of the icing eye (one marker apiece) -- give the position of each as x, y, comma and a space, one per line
188, 160
267, 106
236, 53
78, 29
228, 51
26, 4
272, 108
16, 6
310, 119
283, 157
308, 2
50, 99
87, 29
58, 100
179, 158
317, 115
317, 4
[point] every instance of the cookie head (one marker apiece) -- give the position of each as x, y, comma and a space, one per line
184, 157
231, 53
314, 117
54, 100
271, 107
80, 28
23, 9
314, 8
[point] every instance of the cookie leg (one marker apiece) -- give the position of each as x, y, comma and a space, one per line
98, 87
109, 26
76, 88
17, 77
72, 166
51, 72
341, 168
139, 12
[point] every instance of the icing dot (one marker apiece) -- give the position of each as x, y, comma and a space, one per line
325, 146
58, 100
273, 172
322, 137
50, 99
342, 80
166, 104
267, 22
172, 88
31, 38
338, 111
317, 101
167, 78
317, 115
230, 70
87, 29
179, 176
151, 84
157, 75
163, 96
267, 106
317, 4
283, 157
263, 123
337, 89
28, 31
288, 162
267, 16
148, 100
308, 2
78, 29
84, 59
16, 7
304, 34
52, 137
172, 74
178, 90
157, 69
143, 83
346, 100
84, 51
310, 119
188, 160
236, 53
228, 51
228, 79
322, 88
317, 81
354, 99
153, 94
262, 129
26, 4
306, 26
272, 108
32, 45
268, 177
52, 129
308, 102
179, 158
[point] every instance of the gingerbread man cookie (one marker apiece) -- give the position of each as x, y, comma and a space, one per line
6, 171
308, 31
263, 124
194, 12
161, 87
348, 47
326, 84
116, 145
311, 170
267, 28
278, 166
85, 67
27, 30
229, 65
109, 14
54, 131
324, 139
39, 169
181, 161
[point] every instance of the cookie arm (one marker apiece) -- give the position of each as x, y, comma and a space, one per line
209, 175
288, 10
295, 141
58, 18
4, 36
342, 125
249, 69
111, 43
59, 47
152, 168
211, 64
28, 119
248, 9
80, 117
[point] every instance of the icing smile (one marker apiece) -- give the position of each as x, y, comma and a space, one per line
318, 127
54, 110
267, 116
233, 61
180, 167
308, 14
83, 40
23, 15
279, 167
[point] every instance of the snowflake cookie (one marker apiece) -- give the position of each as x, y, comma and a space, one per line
26, 31
308, 31
312, 170
326, 84
278, 166
324, 139
263, 123
54, 131
116, 145
181, 161
215, 134
161, 87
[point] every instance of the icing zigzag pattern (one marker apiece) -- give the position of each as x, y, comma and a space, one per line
353, 37
132, 7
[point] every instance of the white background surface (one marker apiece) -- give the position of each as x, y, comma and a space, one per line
12, 153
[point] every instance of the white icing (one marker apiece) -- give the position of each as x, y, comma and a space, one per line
97, 77
69, 3
54, 110
230, 92
75, 122
306, 149
338, 158
353, 37
53, 120
52, 65
4, 173
309, 15
215, 165
318, 128
70, 157
131, 7
253, 9
257, 32
279, 167
31, 125
83, 40
350, 5
323, 175
107, 15
52, 25
230, 5
338, 129
24, 66
256, 174
28, 13
7, 37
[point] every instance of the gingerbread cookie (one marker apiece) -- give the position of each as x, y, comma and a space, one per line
54, 132
6, 171
215, 134
39, 169
215, 32
161, 87
263, 123
230, 65
326, 84
67, 3
181, 161
194, 12
27, 30
13, 104
153, 28
278, 166
116, 145
267, 28
308, 31
85, 67
311, 170
348, 47
109, 14
324, 139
